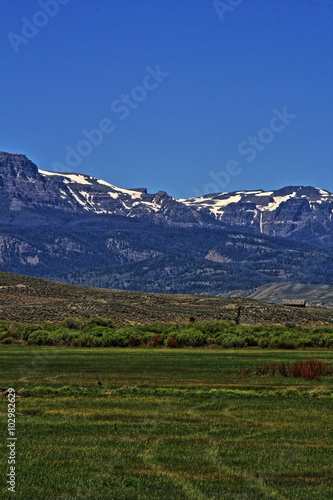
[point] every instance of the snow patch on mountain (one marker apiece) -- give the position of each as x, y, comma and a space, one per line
322, 192
131, 192
278, 200
77, 178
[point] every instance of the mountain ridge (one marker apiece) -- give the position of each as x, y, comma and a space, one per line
74, 226
301, 212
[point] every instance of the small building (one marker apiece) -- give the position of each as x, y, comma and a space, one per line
294, 302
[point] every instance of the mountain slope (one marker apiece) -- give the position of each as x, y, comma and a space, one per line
236, 263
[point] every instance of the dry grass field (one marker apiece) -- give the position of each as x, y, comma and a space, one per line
30, 300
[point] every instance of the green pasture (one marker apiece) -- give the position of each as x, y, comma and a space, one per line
188, 425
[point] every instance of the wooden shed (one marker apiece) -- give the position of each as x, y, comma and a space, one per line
294, 302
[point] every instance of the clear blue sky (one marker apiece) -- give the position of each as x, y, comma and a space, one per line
85, 66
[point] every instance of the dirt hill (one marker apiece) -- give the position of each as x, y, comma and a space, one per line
27, 299
315, 295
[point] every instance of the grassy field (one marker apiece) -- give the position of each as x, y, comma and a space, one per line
188, 425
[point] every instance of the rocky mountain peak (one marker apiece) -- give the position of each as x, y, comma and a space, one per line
17, 166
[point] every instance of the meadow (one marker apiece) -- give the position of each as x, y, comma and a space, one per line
181, 423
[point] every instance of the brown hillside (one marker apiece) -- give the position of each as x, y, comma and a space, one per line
26, 299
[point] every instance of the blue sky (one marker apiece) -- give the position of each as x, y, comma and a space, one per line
186, 96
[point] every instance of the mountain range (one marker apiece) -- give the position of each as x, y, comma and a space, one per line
78, 228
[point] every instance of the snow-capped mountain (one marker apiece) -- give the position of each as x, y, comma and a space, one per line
294, 210
53, 223
23, 185
302, 213
265, 201
96, 196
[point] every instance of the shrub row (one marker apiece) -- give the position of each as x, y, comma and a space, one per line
101, 332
